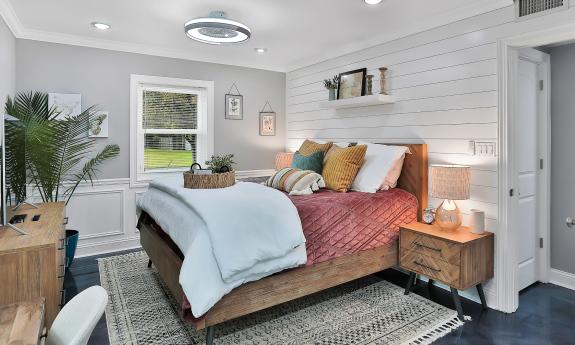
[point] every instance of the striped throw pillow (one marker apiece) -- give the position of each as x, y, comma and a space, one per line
296, 182
341, 166
310, 147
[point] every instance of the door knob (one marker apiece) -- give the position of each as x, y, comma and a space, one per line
570, 221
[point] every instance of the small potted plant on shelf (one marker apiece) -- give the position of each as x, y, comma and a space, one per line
332, 85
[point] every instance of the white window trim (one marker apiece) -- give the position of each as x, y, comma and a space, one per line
205, 128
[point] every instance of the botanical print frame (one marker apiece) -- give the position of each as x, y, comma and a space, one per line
99, 125
351, 84
66, 104
268, 123
234, 107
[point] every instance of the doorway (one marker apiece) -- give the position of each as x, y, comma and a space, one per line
530, 151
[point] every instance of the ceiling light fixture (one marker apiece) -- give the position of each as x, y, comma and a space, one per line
260, 50
372, 2
101, 26
217, 29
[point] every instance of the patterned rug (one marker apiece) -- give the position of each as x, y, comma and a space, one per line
366, 311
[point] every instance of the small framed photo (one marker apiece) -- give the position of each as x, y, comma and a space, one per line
99, 125
351, 84
234, 107
267, 123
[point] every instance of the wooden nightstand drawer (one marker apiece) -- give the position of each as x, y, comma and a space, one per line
431, 246
431, 267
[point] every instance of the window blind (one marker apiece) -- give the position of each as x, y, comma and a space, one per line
169, 110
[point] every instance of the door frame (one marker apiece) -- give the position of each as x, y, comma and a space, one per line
507, 295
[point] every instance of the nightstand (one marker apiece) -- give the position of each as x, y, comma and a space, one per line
459, 259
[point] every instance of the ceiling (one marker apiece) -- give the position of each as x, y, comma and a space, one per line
295, 32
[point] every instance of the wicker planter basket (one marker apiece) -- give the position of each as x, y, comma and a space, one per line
222, 180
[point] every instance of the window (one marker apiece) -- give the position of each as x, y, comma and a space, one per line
172, 125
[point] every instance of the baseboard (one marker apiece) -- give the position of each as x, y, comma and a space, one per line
106, 247
561, 278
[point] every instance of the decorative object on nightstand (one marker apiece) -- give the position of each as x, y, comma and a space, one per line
429, 215
331, 85
458, 258
369, 81
477, 224
449, 182
382, 71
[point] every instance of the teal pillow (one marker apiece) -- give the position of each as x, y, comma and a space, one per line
313, 162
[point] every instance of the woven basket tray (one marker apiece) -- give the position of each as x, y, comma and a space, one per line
213, 181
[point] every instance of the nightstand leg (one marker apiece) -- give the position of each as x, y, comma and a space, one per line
481, 296
457, 303
410, 282
149, 263
430, 283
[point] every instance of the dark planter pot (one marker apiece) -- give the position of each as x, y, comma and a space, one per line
71, 244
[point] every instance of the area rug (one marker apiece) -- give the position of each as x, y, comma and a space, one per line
366, 311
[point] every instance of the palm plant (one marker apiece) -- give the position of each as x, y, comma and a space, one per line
53, 153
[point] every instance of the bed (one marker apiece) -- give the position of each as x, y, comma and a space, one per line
333, 262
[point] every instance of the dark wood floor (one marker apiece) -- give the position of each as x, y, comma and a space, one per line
546, 313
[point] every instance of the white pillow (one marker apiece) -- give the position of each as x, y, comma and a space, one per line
381, 168
340, 144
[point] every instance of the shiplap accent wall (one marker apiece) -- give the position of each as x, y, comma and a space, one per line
446, 89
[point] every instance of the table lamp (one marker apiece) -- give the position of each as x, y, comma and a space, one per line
449, 182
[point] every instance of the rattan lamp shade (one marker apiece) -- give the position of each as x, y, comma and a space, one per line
449, 182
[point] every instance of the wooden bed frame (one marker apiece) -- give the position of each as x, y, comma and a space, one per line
290, 284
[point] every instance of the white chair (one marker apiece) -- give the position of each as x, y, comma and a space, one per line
76, 321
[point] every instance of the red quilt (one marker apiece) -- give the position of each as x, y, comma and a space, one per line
337, 224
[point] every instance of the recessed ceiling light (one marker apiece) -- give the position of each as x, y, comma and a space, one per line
260, 50
101, 26
217, 29
372, 2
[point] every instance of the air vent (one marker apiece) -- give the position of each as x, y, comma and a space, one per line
528, 8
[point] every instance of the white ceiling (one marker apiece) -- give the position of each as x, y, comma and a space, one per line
295, 32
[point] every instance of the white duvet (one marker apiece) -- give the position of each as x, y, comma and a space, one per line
228, 236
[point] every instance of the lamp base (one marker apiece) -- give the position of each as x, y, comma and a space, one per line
447, 216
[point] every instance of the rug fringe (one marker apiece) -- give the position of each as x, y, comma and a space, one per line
438, 331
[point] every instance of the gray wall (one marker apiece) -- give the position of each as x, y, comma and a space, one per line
7, 63
562, 157
103, 78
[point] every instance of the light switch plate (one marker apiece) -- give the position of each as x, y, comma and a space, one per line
485, 148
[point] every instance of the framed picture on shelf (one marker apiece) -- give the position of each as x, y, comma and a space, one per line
234, 107
351, 84
267, 123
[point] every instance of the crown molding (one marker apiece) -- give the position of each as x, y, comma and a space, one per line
461, 13
9, 15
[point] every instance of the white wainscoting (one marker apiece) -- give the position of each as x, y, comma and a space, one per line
445, 83
105, 214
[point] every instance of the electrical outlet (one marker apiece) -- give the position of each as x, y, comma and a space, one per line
471, 148
485, 149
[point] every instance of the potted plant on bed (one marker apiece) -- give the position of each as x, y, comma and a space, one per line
51, 154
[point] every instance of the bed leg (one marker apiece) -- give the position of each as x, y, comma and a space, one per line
210, 335
149, 263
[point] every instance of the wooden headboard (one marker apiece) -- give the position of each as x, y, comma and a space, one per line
414, 174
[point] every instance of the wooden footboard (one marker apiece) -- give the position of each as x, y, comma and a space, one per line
269, 291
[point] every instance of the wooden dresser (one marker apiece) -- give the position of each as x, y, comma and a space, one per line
33, 266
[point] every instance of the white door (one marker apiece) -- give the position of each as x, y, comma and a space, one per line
527, 167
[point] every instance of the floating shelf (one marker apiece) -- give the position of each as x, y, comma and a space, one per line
358, 101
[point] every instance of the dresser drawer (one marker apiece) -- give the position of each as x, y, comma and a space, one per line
429, 266
431, 246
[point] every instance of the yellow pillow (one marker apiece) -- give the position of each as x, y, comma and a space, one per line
310, 147
341, 166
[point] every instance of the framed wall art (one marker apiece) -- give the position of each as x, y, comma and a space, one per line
351, 84
234, 104
267, 121
66, 104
